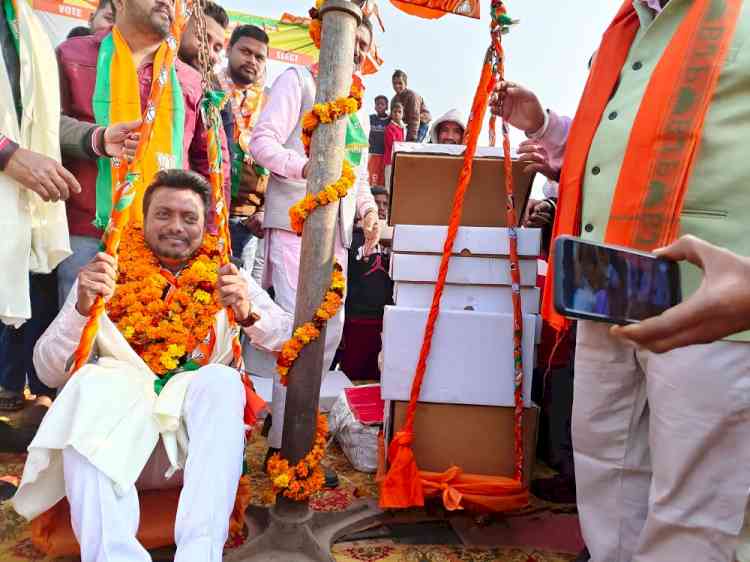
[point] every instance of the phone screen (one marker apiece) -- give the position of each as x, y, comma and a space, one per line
611, 284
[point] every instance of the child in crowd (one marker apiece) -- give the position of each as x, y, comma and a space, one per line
394, 132
424, 124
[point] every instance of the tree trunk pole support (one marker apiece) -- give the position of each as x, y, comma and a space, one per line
293, 532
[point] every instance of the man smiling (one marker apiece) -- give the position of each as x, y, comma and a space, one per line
136, 392
97, 85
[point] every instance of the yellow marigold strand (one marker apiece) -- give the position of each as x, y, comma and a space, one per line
305, 478
310, 331
300, 481
331, 111
302, 209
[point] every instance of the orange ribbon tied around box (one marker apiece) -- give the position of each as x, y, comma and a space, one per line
476, 491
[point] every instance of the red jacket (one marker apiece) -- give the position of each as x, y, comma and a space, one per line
393, 134
77, 58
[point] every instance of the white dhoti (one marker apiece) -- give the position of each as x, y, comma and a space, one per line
99, 438
105, 522
282, 272
660, 445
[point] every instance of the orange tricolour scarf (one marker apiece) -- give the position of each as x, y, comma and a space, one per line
665, 137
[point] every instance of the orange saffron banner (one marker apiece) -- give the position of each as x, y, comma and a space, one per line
78, 9
432, 9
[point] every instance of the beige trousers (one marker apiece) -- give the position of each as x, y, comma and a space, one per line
660, 446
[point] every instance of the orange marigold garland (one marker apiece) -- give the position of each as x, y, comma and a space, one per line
330, 193
164, 329
331, 111
300, 481
310, 331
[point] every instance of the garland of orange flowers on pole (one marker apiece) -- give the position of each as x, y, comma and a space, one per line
300, 481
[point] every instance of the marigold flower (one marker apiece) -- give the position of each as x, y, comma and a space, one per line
163, 331
202, 296
281, 481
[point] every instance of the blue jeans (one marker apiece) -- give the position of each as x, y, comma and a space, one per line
239, 235
17, 344
84, 249
248, 248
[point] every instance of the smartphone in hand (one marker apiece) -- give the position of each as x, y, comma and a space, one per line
611, 284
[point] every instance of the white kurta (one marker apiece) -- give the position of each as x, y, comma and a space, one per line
35, 233
109, 411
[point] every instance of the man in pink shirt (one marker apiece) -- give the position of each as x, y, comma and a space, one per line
276, 144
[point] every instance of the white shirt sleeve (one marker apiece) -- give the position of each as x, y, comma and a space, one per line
275, 324
55, 348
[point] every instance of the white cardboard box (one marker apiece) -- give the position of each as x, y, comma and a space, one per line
423, 268
471, 359
482, 298
470, 240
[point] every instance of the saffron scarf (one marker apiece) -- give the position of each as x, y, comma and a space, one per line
117, 99
665, 137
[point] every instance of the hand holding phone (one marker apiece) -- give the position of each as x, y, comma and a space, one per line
612, 284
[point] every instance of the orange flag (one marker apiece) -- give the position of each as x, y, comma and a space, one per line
432, 9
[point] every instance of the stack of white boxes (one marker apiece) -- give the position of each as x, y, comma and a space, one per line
471, 361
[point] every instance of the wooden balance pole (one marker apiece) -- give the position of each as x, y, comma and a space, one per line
293, 533
340, 21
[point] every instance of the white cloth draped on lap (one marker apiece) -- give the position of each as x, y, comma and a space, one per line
35, 233
110, 413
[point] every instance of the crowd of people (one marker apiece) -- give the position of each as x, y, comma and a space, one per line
64, 168
649, 444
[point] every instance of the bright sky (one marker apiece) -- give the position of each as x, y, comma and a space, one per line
548, 51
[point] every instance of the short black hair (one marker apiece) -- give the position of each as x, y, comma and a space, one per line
400, 74
247, 30
178, 179
397, 104
378, 191
217, 13
80, 31
382, 97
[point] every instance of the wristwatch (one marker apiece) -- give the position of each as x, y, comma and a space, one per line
251, 319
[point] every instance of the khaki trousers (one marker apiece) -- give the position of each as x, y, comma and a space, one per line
661, 448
